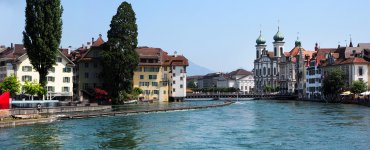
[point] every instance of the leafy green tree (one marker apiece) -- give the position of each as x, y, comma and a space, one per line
33, 88
358, 87
268, 88
191, 85
333, 84
119, 56
42, 34
11, 85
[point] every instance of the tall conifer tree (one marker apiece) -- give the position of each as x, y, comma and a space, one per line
119, 56
42, 35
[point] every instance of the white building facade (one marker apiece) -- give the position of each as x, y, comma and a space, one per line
59, 78
266, 64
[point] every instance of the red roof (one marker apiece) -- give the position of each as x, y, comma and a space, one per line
164, 58
355, 60
98, 41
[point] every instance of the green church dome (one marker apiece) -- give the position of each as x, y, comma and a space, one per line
278, 37
297, 43
260, 40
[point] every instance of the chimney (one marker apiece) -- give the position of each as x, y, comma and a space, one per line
175, 54
11, 45
69, 49
92, 40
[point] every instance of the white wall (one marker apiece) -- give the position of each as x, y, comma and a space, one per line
58, 75
180, 81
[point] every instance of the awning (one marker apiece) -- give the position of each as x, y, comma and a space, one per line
346, 93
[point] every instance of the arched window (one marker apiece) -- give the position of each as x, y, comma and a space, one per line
275, 51
274, 71
281, 51
264, 70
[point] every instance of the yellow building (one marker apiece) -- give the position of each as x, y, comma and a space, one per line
161, 76
150, 75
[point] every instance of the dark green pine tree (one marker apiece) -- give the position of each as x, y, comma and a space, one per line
42, 35
119, 56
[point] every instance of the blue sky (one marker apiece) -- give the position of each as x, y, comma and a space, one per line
217, 34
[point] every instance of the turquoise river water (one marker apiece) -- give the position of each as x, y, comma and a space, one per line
246, 125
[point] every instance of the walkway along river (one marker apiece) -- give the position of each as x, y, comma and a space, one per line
246, 125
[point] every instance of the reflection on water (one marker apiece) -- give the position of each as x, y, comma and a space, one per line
248, 125
122, 135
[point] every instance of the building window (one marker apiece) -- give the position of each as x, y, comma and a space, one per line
86, 86
264, 70
141, 77
154, 83
27, 68
181, 86
360, 71
152, 77
65, 89
174, 82
26, 78
155, 91
164, 91
59, 59
86, 65
52, 69
151, 69
275, 51
174, 90
66, 79
274, 71
86, 75
281, 51
173, 67
181, 78
165, 68
174, 74
67, 69
50, 79
50, 88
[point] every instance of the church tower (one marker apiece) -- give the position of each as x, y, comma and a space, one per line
260, 45
278, 44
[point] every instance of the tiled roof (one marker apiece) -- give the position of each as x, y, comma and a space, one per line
98, 41
164, 58
320, 54
270, 54
240, 72
355, 60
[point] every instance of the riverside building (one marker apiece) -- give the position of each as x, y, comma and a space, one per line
14, 60
266, 64
161, 76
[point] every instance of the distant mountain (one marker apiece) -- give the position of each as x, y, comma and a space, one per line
194, 69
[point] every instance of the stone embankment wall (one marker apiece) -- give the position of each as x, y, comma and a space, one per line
52, 110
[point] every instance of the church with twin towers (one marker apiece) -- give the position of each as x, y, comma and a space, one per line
276, 70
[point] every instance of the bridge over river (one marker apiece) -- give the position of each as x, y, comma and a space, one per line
233, 95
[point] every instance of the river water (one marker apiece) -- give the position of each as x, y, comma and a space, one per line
247, 125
